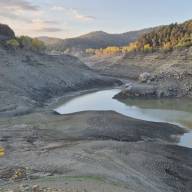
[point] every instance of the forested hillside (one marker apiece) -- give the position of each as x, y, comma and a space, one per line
164, 38
93, 40
168, 37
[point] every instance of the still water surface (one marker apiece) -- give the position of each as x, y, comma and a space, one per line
175, 111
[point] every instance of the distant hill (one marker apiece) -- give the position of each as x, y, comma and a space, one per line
164, 38
6, 32
50, 40
94, 40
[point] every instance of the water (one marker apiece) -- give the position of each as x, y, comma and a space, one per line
174, 111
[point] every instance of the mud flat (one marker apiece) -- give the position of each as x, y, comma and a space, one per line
105, 147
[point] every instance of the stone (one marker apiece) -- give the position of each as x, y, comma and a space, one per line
35, 188
144, 77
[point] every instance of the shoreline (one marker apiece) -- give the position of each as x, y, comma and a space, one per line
44, 140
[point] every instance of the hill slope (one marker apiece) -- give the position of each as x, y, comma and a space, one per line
50, 40
166, 38
28, 79
95, 40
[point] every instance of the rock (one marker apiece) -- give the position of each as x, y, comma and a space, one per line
148, 91
13, 173
138, 90
24, 188
35, 188
145, 77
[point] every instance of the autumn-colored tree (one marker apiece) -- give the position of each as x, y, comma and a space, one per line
2, 151
164, 38
147, 48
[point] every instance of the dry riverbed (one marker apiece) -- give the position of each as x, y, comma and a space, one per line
87, 151
93, 151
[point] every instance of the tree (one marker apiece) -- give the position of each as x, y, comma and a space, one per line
25, 42
147, 48
2, 151
13, 43
163, 38
37, 45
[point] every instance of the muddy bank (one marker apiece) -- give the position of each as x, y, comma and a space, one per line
135, 155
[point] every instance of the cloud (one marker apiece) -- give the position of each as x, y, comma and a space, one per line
74, 13
17, 5
28, 19
80, 16
50, 29
14, 16
40, 25
58, 8
44, 22
18, 10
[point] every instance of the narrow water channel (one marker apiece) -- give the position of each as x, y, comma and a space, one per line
174, 111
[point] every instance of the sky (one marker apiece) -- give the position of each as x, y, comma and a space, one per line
70, 18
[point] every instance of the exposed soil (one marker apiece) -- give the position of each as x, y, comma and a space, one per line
171, 72
135, 155
28, 79
90, 151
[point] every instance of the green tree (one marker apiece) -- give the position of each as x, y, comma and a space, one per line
25, 42
37, 45
13, 43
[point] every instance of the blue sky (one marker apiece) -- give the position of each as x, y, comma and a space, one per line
68, 18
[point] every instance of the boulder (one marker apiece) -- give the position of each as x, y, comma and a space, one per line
145, 77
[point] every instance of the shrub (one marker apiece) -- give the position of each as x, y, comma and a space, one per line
13, 43
37, 45
2, 151
25, 42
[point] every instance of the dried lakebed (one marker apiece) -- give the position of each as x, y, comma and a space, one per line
173, 111
97, 149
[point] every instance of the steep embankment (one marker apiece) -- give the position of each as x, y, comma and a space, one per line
170, 72
161, 58
179, 60
28, 79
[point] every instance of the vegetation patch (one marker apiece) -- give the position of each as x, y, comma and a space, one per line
165, 38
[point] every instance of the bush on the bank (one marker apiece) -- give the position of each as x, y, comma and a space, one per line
13, 43
37, 45
27, 43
